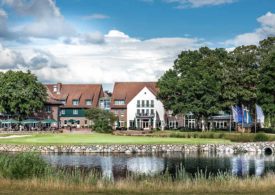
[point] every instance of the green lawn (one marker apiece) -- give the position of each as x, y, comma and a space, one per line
96, 138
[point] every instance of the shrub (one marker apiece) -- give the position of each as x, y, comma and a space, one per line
23, 165
260, 137
244, 137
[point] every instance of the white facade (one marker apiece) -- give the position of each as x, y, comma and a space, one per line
145, 115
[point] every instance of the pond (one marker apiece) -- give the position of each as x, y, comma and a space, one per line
118, 165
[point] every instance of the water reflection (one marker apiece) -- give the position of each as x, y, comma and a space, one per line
145, 165
118, 165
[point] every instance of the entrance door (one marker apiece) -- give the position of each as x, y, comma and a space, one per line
145, 124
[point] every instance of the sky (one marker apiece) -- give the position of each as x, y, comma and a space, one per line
103, 41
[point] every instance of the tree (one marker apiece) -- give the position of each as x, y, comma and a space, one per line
102, 119
21, 94
193, 84
240, 77
266, 86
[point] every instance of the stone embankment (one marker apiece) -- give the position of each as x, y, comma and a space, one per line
256, 147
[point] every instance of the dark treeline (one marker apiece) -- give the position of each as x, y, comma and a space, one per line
206, 81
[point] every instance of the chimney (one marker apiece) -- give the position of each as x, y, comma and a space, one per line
59, 86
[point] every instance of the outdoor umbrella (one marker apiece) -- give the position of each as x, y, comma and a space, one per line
48, 121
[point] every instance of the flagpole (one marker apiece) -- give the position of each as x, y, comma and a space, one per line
230, 119
255, 118
242, 115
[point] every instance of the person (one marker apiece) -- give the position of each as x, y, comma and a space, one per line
70, 128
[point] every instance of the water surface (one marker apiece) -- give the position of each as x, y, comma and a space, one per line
118, 165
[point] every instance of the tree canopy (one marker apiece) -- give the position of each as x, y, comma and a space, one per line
266, 86
102, 119
206, 81
21, 94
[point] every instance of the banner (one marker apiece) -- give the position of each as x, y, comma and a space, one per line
240, 114
234, 113
260, 114
247, 118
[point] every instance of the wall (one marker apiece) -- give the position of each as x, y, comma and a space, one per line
258, 147
144, 94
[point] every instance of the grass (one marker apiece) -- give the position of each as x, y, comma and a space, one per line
217, 185
96, 138
234, 137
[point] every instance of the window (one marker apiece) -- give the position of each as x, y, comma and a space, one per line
147, 103
122, 113
121, 123
86, 122
142, 103
63, 111
88, 102
152, 103
65, 122
75, 111
75, 102
48, 109
138, 111
147, 111
63, 102
138, 103
54, 88
119, 102
152, 111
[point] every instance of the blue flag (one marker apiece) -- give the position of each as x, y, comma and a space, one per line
240, 114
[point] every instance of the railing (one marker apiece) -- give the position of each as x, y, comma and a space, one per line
145, 114
145, 106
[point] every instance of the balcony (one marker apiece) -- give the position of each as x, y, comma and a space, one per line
145, 115
145, 105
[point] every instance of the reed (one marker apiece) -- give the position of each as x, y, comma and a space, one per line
57, 181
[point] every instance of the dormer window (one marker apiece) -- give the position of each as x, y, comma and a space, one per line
119, 102
54, 88
88, 102
75, 102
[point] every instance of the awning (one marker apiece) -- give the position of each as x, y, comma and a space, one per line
73, 121
48, 121
29, 121
9, 121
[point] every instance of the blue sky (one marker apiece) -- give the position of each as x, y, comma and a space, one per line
156, 18
102, 41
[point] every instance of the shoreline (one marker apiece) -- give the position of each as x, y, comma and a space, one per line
231, 148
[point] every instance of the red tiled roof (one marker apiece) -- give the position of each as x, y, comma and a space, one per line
128, 90
81, 92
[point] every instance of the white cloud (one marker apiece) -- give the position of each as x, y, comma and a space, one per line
267, 28
182, 4
3, 23
96, 17
119, 58
48, 21
28, 59
3, 13
85, 38
10, 59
